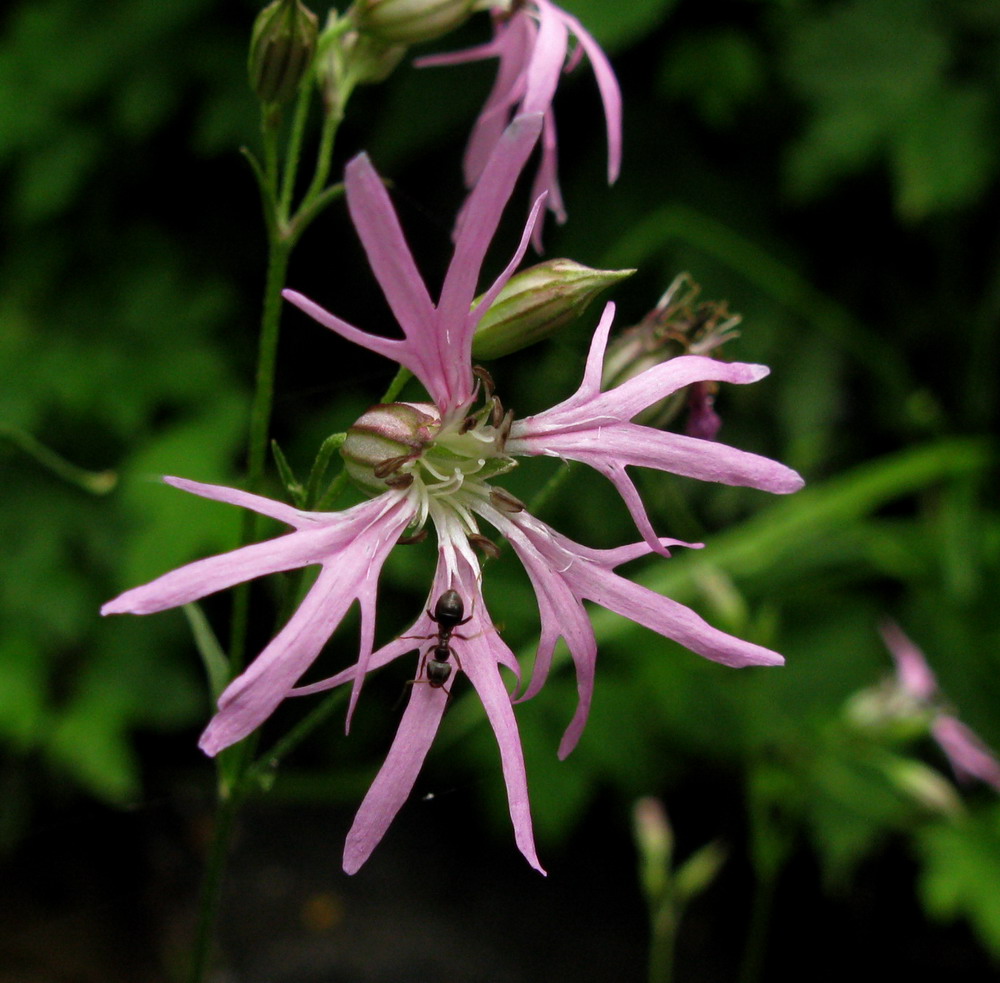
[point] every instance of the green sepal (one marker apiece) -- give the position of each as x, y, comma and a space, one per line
292, 484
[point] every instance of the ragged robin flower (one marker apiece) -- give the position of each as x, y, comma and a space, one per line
437, 463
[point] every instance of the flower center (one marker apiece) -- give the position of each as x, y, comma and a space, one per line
444, 464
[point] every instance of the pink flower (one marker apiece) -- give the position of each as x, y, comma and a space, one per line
437, 343
531, 44
968, 755
438, 462
452, 455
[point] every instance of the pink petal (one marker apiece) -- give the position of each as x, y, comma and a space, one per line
215, 573
968, 755
385, 245
482, 671
912, 670
394, 782
352, 573
482, 215
256, 503
607, 84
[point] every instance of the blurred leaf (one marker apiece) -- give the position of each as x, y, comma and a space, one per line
720, 72
878, 75
213, 658
23, 691
961, 873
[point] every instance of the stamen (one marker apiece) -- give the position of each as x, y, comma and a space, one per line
502, 499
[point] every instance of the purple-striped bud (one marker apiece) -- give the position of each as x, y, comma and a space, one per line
281, 49
384, 440
536, 303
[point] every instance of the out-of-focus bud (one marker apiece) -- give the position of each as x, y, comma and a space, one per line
409, 21
536, 303
654, 839
384, 439
699, 870
678, 325
281, 49
929, 788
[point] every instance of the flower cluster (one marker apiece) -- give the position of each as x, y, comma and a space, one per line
437, 463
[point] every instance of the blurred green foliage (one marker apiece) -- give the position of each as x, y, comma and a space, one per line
829, 168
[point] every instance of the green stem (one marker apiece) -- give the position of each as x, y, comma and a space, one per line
260, 423
95, 482
540, 500
662, 942
294, 152
211, 888
269, 762
760, 918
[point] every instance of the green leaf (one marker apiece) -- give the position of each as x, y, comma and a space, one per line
292, 484
961, 873
214, 659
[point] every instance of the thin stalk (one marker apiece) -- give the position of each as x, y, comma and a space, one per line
211, 888
294, 152
260, 423
662, 943
760, 920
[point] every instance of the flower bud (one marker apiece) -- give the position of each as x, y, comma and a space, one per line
384, 439
676, 326
536, 303
410, 21
281, 49
654, 840
348, 59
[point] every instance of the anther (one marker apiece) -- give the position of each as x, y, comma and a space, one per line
487, 547
399, 481
384, 468
502, 499
487, 380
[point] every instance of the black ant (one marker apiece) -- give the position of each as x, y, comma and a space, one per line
447, 615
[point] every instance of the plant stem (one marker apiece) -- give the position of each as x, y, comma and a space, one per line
260, 423
662, 942
760, 918
211, 888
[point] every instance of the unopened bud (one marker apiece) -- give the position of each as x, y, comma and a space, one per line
410, 21
536, 303
929, 788
281, 49
348, 59
384, 440
699, 870
654, 840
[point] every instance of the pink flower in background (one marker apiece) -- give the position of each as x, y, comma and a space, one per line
968, 755
532, 43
